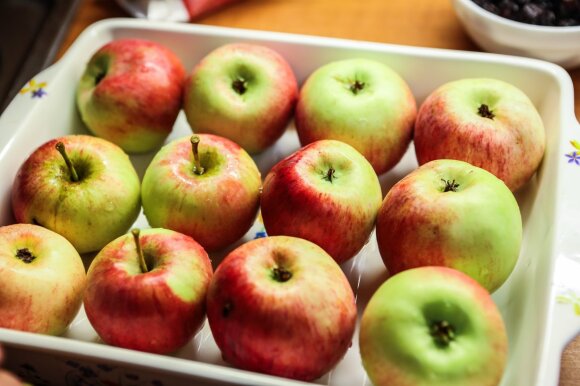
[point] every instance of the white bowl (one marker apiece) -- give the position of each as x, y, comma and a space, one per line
493, 33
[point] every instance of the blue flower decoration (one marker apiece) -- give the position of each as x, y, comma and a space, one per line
260, 234
574, 157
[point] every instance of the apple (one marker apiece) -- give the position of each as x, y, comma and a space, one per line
282, 306
82, 187
131, 93
241, 91
433, 326
43, 279
451, 213
361, 102
146, 290
205, 186
325, 192
486, 122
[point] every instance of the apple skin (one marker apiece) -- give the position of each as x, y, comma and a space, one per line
339, 215
376, 119
298, 328
254, 118
216, 208
476, 229
397, 343
131, 93
157, 311
510, 145
43, 295
99, 207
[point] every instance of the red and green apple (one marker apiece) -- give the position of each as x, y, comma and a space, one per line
244, 92
205, 186
451, 213
42, 280
325, 192
433, 326
146, 290
487, 122
80, 186
282, 306
362, 102
131, 93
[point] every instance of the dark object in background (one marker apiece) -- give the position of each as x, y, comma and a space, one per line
559, 13
30, 34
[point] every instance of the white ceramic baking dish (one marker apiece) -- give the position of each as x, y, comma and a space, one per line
540, 302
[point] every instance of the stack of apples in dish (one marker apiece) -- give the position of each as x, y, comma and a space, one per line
449, 232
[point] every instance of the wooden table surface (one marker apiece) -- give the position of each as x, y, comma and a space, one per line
425, 23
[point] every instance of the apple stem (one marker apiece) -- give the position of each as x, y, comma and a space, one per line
329, 175
450, 186
485, 112
197, 168
443, 333
73, 173
142, 262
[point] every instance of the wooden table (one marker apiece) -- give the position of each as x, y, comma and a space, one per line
425, 23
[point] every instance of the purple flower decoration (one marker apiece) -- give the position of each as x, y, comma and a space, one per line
35, 89
38, 93
574, 157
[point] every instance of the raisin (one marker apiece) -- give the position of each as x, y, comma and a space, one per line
541, 12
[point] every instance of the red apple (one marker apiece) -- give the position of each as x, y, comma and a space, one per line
487, 122
244, 92
131, 93
325, 192
209, 190
282, 306
42, 279
147, 291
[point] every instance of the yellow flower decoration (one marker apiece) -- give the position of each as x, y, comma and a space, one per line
37, 89
570, 298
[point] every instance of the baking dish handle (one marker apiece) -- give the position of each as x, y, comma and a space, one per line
564, 308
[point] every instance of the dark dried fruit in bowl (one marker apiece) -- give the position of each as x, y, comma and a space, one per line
560, 13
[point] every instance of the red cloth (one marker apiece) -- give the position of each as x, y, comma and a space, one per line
196, 8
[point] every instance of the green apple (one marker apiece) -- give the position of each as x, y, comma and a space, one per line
486, 122
208, 189
453, 214
82, 187
361, 102
433, 326
244, 92
42, 280
325, 192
